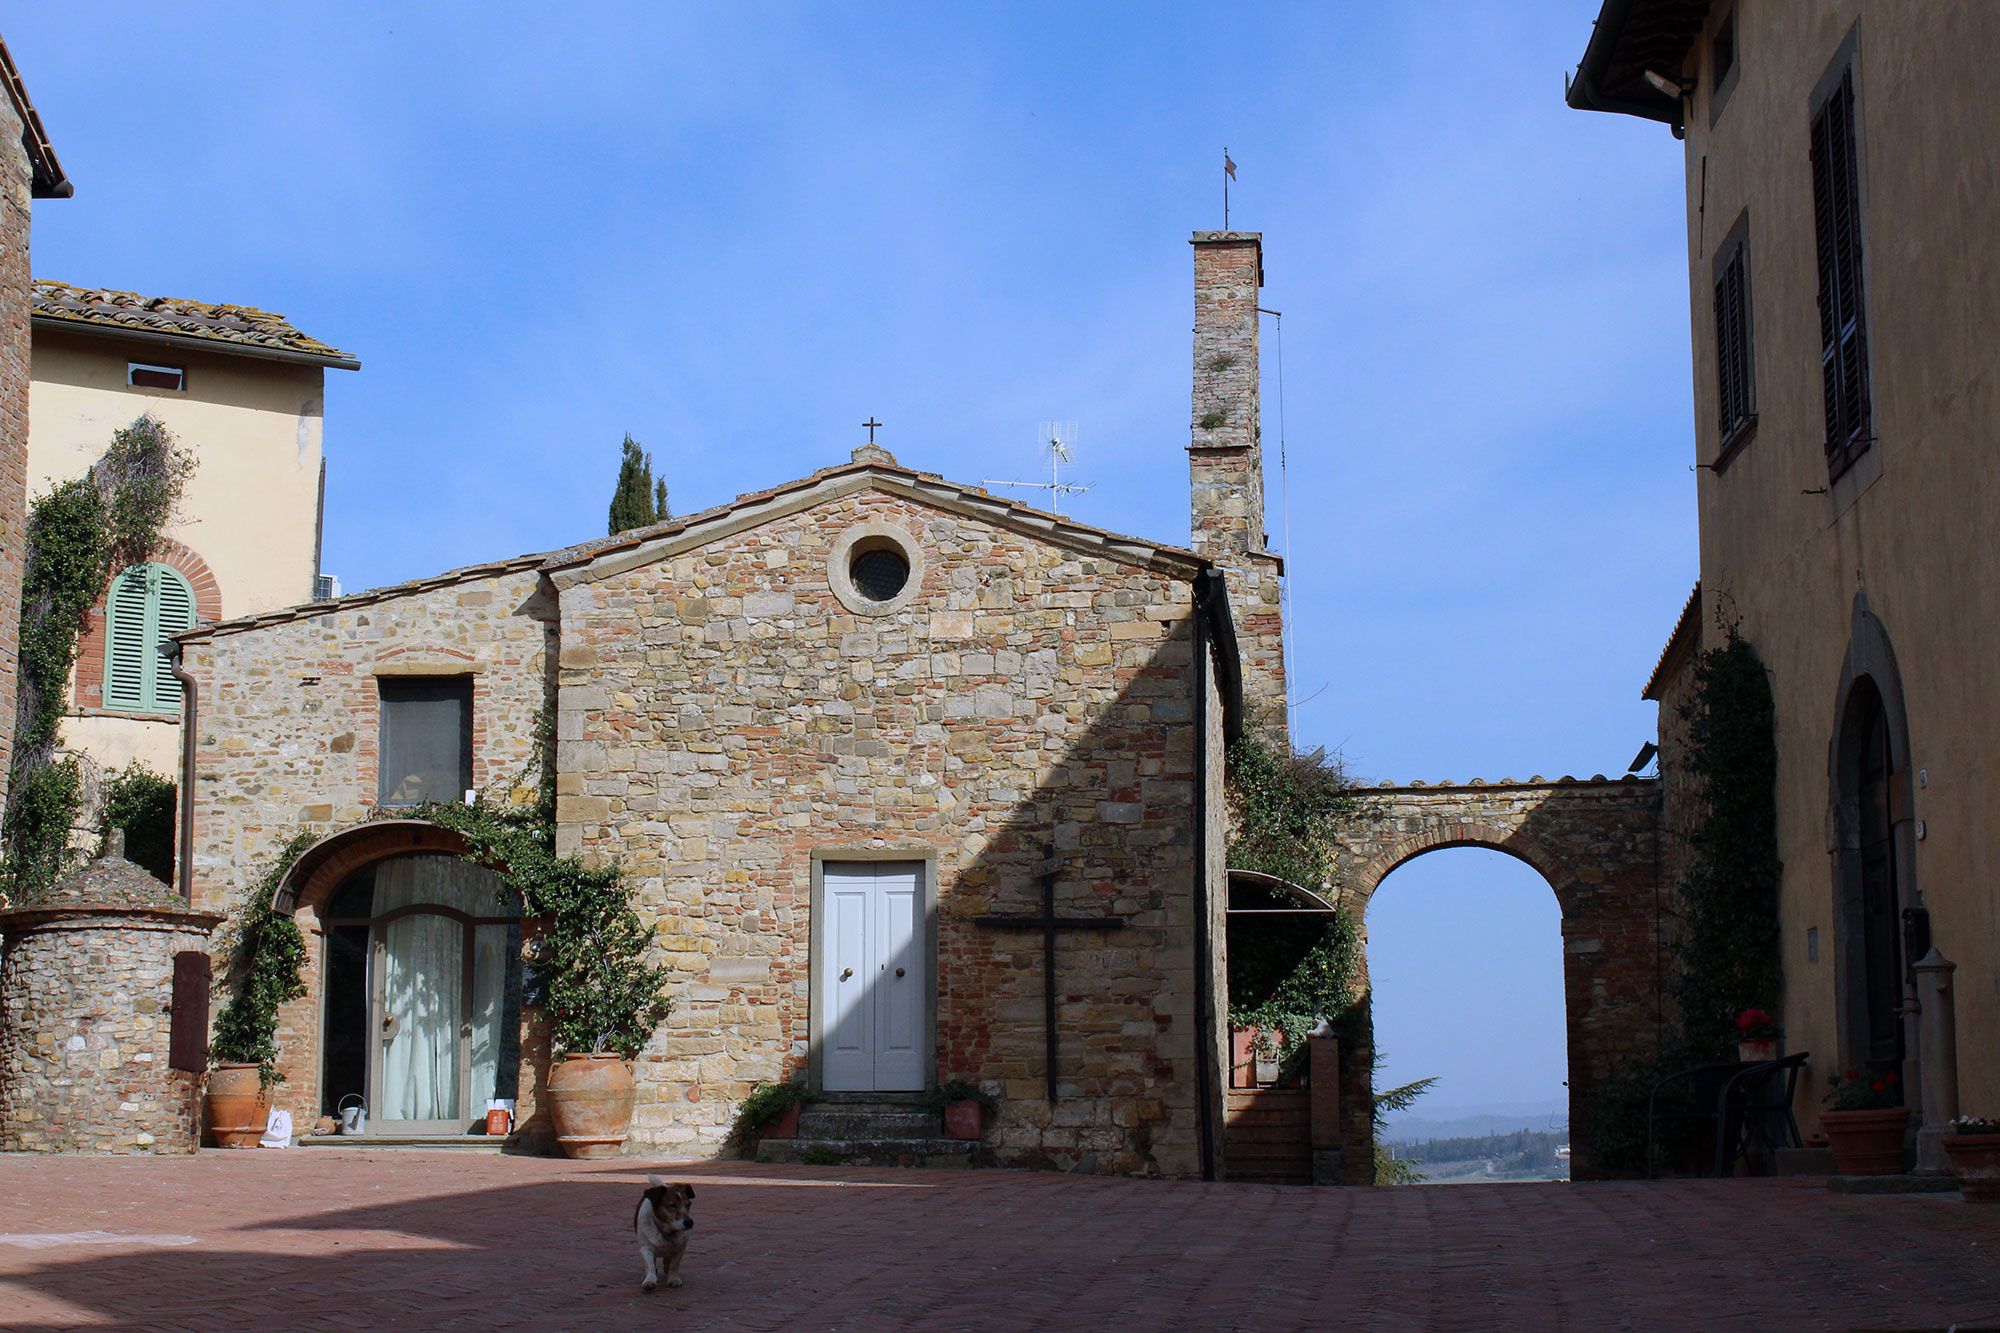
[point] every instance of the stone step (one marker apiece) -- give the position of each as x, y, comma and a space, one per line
855, 1121
493, 1143
868, 1152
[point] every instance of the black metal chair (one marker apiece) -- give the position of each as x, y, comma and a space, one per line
1744, 1102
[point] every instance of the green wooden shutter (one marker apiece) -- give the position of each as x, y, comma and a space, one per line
148, 603
125, 641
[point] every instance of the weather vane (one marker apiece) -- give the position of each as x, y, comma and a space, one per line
1056, 437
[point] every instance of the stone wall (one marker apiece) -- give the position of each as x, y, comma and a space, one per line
1596, 843
85, 1032
289, 729
15, 209
724, 719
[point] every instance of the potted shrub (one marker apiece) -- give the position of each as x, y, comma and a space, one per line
269, 954
771, 1111
965, 1107
1973, 1145
1756, 1037
1865, 1122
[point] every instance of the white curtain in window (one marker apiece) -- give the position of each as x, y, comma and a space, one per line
423, 991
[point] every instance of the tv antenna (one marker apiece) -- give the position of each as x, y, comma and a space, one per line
1058, 437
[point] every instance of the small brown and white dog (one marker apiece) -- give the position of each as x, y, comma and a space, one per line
663, 1225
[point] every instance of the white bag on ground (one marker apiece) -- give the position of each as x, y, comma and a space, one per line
278, 1133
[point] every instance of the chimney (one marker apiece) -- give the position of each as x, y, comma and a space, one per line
1226, 462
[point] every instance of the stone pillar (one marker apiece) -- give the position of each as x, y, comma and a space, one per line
1226, 462
1938, 1042
15, 192
1323, 1072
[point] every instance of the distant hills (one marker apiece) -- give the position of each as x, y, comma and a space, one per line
1476, 1120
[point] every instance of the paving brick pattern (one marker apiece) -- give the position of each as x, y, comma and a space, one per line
315, 1239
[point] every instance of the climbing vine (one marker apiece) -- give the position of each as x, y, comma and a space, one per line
267, 961
140, 802
1726, 953
1286, 810
77, 535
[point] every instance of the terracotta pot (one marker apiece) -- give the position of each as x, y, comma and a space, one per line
786, 1126
1866, 1143
590, 1104
1975, 1160
238, 1107
965, 1120
1757, 1052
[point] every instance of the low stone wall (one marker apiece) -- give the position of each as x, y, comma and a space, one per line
85, 1032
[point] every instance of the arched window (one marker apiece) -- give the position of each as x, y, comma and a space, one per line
147, 604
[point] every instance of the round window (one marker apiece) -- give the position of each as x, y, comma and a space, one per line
879, 574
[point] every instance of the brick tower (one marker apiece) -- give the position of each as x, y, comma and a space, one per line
1226, 462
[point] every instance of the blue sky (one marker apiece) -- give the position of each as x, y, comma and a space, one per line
737, 231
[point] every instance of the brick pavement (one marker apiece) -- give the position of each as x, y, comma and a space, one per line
314, 1239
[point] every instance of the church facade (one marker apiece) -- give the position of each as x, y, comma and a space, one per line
833, 734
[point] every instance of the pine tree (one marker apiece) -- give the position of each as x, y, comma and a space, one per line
632, 503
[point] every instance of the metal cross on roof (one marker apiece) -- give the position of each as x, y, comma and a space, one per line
871, 423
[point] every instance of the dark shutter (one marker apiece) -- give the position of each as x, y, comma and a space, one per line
189, 1047
426, 750
1837, 234
1732, 345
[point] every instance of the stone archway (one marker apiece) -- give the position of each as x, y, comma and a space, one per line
1596, 843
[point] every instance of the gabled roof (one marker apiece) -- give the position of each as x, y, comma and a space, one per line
48, 180
239, 329
604, 556
627, 550
1680, 646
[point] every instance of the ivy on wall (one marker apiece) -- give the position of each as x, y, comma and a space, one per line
140, 803
1725, 955
267, 961
77, 536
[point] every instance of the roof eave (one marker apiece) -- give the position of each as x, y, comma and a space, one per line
193, 341
47, 178
1585, 92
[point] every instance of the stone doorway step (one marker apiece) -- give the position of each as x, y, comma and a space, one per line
488, 1143
869, 1128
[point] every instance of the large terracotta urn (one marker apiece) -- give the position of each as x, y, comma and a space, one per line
1975, 1160
1866, 1143
590, 1104
238, 1107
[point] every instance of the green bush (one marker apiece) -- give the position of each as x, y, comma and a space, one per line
267, 963
141, 803
766, 1102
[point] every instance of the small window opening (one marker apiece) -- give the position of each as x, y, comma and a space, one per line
880, 573
426, 747
1722, 51
145, 375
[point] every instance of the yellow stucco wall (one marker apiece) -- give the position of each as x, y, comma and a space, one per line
255, 428
1786, 559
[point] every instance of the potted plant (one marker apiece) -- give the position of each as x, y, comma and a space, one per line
1865, 1122
604, 1002
1756, 1037
1973, 1145
269, 953
771, 1111
965, 1107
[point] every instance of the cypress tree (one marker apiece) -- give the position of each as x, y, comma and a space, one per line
632, 502
660, 511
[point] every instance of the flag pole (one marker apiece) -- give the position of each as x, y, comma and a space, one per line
1225, 189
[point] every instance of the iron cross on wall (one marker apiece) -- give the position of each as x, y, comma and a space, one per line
1049, 923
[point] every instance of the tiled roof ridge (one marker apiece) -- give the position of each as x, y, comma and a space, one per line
1537, 780
583, 552
1677, 640
178, 316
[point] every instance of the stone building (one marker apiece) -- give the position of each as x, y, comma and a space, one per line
828, 731
244, 391
1843, 170
32, 172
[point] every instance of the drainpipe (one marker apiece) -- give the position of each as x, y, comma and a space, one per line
190, 717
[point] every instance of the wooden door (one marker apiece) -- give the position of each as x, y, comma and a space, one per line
874, 978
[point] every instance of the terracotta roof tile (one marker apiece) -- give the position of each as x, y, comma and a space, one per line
240, 327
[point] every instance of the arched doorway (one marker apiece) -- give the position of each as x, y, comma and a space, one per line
1466, 971
421, 1007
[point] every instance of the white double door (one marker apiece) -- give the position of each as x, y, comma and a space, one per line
874, 978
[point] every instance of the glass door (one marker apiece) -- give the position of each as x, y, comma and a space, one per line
423, 1023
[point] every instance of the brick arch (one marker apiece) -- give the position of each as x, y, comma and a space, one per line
93, 644
1595, 842
1521, 846
324, 866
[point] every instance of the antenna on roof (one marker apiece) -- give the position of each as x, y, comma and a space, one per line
1058, 437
